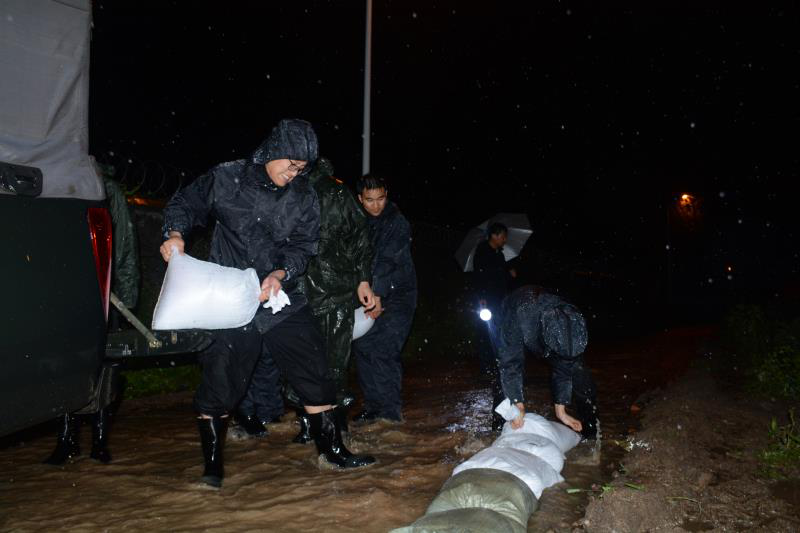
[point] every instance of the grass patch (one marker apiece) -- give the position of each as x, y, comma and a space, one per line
766, 348
782, 457
151, 381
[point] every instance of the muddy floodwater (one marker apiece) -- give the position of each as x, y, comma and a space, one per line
272, 484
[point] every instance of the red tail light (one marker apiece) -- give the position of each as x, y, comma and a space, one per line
100, 232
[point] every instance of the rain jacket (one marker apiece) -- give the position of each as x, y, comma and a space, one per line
548, 326
125, 271
258, 224
492, 276
392, 267
345, 249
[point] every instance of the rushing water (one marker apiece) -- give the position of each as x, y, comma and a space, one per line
272, 484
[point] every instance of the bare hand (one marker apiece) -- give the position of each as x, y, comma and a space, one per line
513, 272
271, 285
520, 420
365, 295
175, 240
377, 310
572, 423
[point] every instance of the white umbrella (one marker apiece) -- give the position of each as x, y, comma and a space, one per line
519, 230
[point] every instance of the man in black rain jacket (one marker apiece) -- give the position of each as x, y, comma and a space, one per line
394, 281
544, 323
268, 220
336, 281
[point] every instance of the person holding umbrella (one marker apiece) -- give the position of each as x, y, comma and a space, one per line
493, 278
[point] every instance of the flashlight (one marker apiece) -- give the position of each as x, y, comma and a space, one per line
485, 315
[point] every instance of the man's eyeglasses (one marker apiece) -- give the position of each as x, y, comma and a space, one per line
296, 167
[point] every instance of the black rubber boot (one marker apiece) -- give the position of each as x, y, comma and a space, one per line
67, 442
497, 398
341, 416
212, 437
328, 438
251, 425
100, 437
304, 437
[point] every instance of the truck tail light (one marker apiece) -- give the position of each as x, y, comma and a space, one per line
100, 231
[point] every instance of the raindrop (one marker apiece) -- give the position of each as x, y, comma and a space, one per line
414, 15
691, 125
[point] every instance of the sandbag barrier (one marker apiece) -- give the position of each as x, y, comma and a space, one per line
498, 489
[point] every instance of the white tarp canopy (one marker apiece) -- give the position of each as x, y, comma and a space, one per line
44, 93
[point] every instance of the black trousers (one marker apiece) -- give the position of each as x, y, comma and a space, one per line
380, 368
296, 346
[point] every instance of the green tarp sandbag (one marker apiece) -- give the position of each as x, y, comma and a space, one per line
471, 520
486, 488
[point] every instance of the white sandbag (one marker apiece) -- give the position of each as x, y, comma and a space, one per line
201, 295
534, 444
363, 323
561, 435
533, 471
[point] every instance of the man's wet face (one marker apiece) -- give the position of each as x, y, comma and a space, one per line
373, 200
283, 171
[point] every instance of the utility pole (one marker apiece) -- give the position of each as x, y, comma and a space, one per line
367, 82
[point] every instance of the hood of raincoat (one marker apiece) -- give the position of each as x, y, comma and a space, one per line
292, 138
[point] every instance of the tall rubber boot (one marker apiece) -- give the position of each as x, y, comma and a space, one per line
67, 442
212, 438
328, 438
304, 437
497, 398
100, 437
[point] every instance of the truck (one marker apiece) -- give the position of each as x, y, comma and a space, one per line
56, 244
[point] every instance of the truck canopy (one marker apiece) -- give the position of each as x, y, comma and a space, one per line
44, 96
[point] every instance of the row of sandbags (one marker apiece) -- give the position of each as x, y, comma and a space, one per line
498, 488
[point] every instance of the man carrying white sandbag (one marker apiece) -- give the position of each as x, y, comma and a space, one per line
547, 325
267, 218
337, 280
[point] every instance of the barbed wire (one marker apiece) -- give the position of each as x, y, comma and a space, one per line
143, 177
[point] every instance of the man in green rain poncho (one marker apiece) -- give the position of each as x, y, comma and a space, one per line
336, 282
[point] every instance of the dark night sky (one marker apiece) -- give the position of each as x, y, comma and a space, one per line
590, 119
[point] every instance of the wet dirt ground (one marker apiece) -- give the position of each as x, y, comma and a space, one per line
274, 485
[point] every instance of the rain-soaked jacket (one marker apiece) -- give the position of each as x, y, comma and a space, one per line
125, 271
548, 326
258, 224
345, 250
392, 267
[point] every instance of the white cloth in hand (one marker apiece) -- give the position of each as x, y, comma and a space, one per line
507, 410
277, 301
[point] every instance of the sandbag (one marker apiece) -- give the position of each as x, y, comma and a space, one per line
535, 444
197, 294
362, 324
534, 471
486, 489
561, 435
471, 520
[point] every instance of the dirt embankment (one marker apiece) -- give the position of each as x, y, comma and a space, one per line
694, 466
